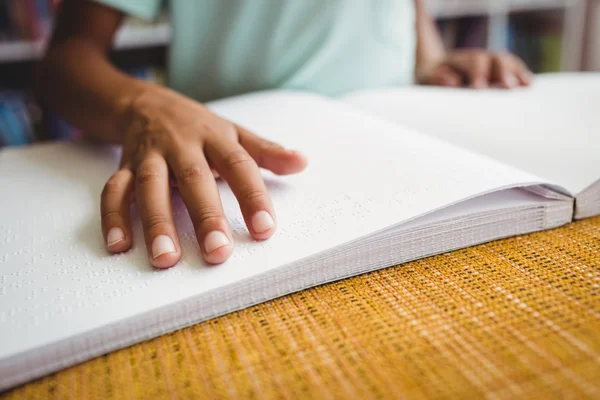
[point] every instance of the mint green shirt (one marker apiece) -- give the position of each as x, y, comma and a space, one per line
221, 48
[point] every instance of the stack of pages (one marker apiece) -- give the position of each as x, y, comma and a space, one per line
375, 194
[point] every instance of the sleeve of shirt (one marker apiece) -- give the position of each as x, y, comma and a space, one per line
145, 9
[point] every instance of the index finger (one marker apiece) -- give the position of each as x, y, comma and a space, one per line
270, 155
241, 172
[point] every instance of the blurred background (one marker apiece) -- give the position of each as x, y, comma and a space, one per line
550, 35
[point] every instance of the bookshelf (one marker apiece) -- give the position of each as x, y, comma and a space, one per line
496, 12
500, 14
567, 30
591, 59
128, 37
460, 8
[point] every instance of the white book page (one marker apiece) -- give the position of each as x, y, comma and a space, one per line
57, 280
551, 129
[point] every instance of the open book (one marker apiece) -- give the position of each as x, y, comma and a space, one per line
375, 194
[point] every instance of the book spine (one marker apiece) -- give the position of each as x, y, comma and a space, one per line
15, 130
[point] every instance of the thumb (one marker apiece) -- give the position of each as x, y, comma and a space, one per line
271, 156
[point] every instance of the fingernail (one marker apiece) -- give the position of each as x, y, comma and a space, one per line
262, 221
511, 80
214, 240
162, 244
114, 236
479, 84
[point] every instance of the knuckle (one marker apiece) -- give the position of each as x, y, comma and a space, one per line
156, 220
110, 188
192, 174
110, 215
237, 158
503, 62
218, 128
230, 131
481, 57
147, 175
254, 196
114, 185
207, 216
481, 61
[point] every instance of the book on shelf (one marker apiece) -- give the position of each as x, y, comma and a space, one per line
18, 122
394, 175
535, 37
23, 122
538, 40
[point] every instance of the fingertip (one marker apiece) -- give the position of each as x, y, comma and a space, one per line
263, 235
448, 77
452, 82
119, 247
510, 81
216, 246
262, 225
166, 260
526, 78
117, 241
479, 83
298, 162
219, 255
164, 253
289, 162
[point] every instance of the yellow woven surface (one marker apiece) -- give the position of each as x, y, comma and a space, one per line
518, 318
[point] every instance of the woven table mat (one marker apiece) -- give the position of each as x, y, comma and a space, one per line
517, 318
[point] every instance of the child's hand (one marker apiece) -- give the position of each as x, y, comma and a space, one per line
171, 134
477, 69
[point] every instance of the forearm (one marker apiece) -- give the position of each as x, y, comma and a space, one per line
77, 81
430, 47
